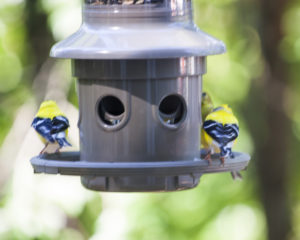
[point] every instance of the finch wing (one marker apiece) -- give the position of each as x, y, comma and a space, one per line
43, 126
222, 134
59, 124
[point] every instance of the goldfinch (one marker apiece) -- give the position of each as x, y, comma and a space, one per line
51, 125
219, 131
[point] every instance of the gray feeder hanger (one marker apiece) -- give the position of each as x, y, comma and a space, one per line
139, 67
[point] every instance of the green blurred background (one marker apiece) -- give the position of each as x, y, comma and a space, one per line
258, 77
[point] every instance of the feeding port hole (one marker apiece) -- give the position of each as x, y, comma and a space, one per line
172, 110
111, 110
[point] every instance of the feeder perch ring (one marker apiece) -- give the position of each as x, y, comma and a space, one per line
69, 164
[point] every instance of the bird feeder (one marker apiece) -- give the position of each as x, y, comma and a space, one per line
139, 67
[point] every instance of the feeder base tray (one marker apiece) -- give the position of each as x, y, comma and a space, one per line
136, 176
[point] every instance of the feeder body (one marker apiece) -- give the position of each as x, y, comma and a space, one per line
142, 134
139, 67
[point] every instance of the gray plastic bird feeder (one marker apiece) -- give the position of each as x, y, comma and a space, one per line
139, 67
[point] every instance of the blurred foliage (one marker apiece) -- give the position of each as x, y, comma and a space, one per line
201, 213
89, 215
218, 208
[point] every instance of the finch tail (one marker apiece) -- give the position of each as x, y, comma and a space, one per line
61, 139
63, 142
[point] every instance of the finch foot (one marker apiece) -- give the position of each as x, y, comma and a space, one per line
57, 150
208, 158
222, 159
43, 150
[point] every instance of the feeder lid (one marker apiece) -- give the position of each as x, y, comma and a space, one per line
137, 41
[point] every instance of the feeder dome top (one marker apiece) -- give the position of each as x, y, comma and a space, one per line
155, 29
